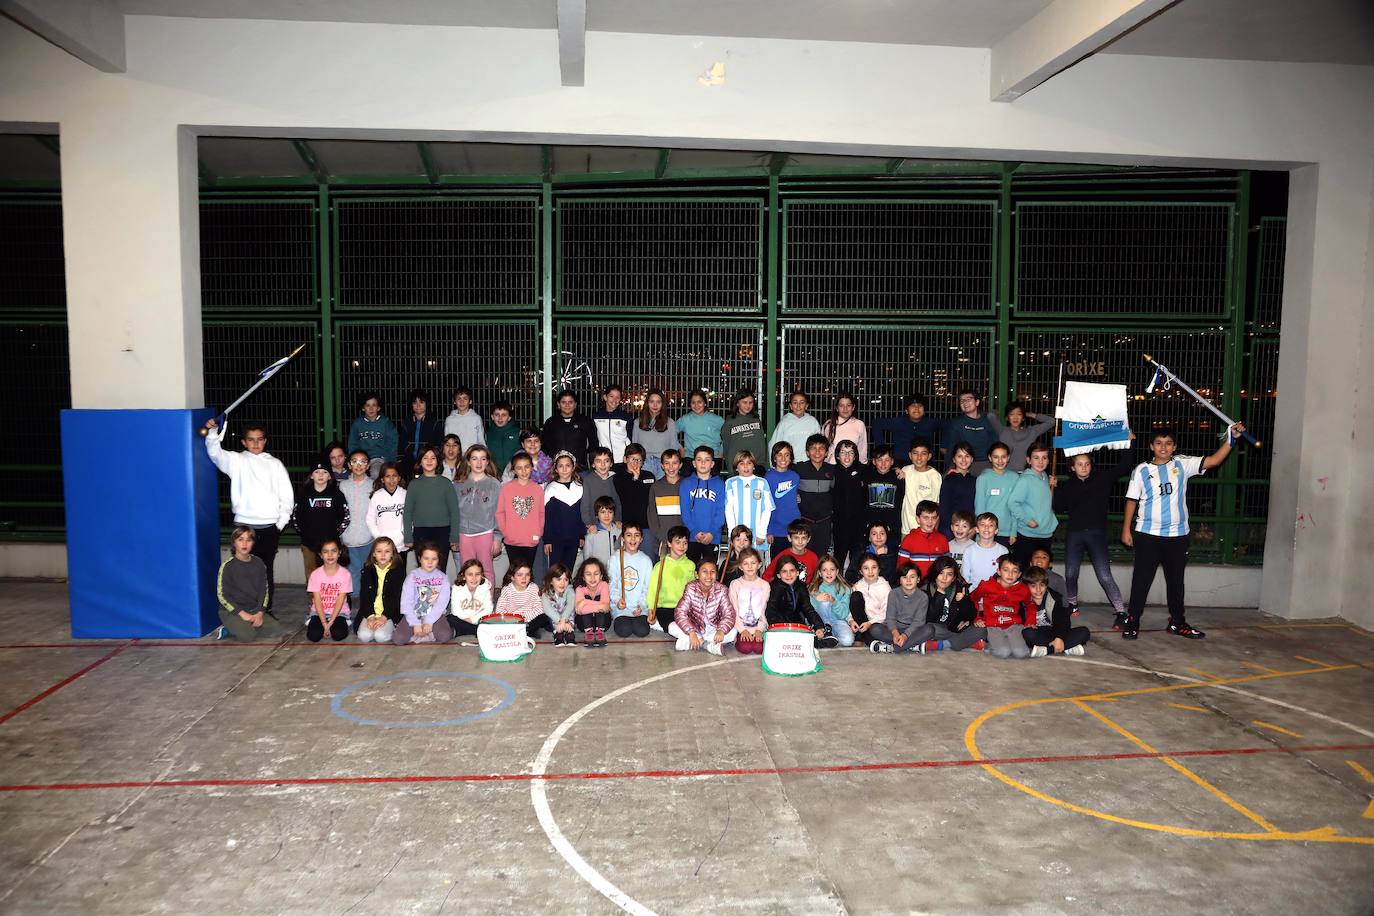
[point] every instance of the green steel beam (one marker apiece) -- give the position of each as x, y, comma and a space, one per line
50, 143
662, 167
771, 357
1001, 368
894, 166
549, 256
312, 162
546, 170
1233, 376
432, 173
325, 284
776, 163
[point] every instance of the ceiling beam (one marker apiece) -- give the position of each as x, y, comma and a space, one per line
89, 30
662, 168
1059, 36
312, 162
49, 143
572, 41
776, 163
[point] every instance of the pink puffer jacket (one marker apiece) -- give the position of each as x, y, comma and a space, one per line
697, 610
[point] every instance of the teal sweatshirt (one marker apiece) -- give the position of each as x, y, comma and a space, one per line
1031, 498
993, 494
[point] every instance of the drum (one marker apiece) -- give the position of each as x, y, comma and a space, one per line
789, 649
502, 638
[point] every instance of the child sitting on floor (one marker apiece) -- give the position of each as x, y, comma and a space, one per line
592, 603
424, 599
557, 599
471, 598
379, 598
1052, 632
830, 598
1005, 608
704, 618
749, 597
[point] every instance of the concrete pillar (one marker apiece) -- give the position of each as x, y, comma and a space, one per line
132, 235
131, 231
1313, 566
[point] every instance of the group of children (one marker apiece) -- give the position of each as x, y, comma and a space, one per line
603, 531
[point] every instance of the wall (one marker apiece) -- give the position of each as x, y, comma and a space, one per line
353, 80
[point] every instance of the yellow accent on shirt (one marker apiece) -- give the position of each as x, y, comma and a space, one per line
377, 610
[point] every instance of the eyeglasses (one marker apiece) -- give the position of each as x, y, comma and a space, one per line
358, 462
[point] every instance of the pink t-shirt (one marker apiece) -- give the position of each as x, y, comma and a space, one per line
750, 600
330, 588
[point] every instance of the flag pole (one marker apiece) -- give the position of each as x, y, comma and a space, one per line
1163, 370
266, 374
1058, 399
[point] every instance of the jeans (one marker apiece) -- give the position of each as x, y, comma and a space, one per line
357, 559
1094, 542
836, 616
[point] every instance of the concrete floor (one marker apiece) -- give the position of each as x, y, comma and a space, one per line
214, 777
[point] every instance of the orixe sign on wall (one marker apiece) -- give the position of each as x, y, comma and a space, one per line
1086, 368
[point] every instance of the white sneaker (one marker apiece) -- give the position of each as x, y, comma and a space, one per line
1039, 651
1074, 650
714, 647
878, 645
684, 643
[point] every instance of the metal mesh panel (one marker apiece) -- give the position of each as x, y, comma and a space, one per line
719, 359
437, 251
881, 365
699, 255
497, 360
1120, 258
1198, 357
889, 256
257, 254
32, 269
1273, 241
1259, 399
34, 370
288, 405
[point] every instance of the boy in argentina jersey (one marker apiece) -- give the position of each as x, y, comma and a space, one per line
749, 502
1156, 525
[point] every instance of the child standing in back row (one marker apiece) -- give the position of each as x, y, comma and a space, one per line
503, 438
464, 422
743, 430
699, 427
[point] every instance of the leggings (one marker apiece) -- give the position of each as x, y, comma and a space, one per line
1043, 636
436, 536
625, 627
477, 547
564, 552
1092, 541
338, 629
876, 632
540, 622
265, 543
405, 633
958, 640
599, 620
516, 554
460, 626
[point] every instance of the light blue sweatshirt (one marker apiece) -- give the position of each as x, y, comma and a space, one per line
993, 494
1031, 498
638, 568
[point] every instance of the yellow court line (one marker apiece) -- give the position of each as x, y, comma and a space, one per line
1317, 835
1310, 661
1368, 776
1276, 728
1187, 707
1207, 675
1260, 667
1354, 629
1178, 767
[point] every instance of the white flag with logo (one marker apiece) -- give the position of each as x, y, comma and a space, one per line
1092, 416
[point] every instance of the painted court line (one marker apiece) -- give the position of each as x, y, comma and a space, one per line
948, 764
63, 683
1275, 728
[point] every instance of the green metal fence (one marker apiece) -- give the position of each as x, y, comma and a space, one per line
918, 279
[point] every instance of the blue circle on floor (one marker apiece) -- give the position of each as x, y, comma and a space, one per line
336, 705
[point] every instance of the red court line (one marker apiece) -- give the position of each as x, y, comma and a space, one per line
675, 774
64, 682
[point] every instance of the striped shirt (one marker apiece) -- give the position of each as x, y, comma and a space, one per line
748, 502
1161, 491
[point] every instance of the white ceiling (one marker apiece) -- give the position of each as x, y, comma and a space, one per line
1329, 31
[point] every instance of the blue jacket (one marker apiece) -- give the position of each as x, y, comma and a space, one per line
899, 432
703, 505
979, 433
376, 437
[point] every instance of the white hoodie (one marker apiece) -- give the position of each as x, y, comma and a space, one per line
259, 487
467, 427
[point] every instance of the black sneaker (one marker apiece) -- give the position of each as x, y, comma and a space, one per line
1130, 629
1187, 632
827, 642
1119, 621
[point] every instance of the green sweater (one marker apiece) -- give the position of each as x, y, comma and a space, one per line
431, 502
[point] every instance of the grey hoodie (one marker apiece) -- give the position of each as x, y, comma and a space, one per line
358, 497
905, 613
477, 504
592, 488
